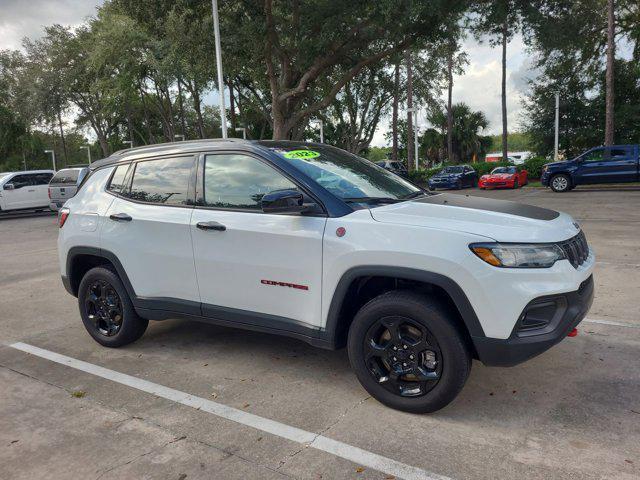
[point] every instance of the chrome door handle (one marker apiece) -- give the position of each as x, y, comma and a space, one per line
211, 226
120, 217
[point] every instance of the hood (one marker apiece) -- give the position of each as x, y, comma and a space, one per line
556, 164
500, 220
500, 175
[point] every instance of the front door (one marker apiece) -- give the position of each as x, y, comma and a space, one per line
254, 267
607, 165
19, 196
147, 229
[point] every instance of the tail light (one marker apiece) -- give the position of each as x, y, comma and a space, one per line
63, 214
49, 191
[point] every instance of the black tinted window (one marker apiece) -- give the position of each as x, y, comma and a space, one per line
239, 181
20, 181
163, 181
117, 181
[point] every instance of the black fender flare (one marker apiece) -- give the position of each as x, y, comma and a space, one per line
464, 307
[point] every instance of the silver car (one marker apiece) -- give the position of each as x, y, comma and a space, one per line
64, 185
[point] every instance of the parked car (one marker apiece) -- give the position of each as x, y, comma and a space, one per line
509, 177
312, 242
64, 185
396, 167
454, 176
615, 164
24, 190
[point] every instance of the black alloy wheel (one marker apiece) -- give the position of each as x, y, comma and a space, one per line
402, 356
104, 308
408, 352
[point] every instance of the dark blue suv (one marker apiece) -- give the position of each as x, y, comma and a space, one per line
614, 164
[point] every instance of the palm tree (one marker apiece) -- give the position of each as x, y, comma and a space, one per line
466, 135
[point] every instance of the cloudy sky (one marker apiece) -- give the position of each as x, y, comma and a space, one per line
479, 86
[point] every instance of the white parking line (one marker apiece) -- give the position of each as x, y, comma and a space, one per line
611, 322
308, 439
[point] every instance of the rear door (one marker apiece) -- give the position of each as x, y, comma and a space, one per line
147, 229
255, 267
39, 191
615, 164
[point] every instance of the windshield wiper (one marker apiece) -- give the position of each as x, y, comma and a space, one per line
372, 200
417, 194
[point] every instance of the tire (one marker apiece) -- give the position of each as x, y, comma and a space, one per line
106, 309
560, 183
450, 361
459, 185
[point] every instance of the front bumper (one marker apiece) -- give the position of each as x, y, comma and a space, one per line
443, 183
495, 183
544, 179
570, 309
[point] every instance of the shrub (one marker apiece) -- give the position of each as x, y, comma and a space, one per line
534, 166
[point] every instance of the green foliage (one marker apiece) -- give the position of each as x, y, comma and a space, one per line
582, 101
377, 154
534, 166
517, 141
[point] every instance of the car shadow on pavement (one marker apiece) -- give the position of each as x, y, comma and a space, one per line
582, 383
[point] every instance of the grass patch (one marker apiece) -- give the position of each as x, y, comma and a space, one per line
78, 394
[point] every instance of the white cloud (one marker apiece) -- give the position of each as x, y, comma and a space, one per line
21, 18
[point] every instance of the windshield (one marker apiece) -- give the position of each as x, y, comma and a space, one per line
344, 174
3, 174
452, 170
503, 170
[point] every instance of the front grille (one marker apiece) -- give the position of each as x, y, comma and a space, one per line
576, 249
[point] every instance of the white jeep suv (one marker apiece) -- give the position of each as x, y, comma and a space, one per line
312, 242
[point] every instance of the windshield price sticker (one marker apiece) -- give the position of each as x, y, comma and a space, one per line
301, 154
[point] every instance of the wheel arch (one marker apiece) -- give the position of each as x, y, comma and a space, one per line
82, 259
341, 310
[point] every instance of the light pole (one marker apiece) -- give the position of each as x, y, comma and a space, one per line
555, 144
88, 152
415, 133
53, 158
243, 130
216, 32
181, 137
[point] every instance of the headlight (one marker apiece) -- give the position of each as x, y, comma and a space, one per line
518, 255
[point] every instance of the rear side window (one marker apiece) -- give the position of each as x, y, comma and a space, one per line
65, 177
117, 180
164, 181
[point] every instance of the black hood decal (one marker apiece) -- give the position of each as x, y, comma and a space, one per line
482, 203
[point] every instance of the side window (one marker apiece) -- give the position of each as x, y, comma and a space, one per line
117, 180
617, 154
42, 178
20, 181
164, 181
596, 155
239, 181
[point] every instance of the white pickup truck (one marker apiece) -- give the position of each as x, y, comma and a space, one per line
312, 242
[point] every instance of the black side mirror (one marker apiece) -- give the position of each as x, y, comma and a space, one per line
8, 186
283, 201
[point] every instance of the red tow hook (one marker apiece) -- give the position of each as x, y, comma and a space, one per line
573, 333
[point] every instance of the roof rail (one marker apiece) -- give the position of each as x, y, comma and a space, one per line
183, 142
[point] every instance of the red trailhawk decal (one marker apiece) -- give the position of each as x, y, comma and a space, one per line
284, 284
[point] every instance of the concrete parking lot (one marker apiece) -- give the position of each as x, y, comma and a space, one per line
573, 412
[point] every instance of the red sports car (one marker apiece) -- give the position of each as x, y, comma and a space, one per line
508, 177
